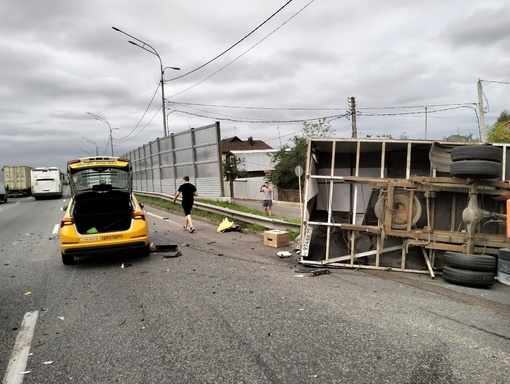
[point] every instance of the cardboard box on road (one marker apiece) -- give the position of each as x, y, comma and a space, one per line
276, 238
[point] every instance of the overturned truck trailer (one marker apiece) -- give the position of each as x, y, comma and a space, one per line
404, 204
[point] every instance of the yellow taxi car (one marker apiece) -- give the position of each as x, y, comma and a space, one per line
103, 215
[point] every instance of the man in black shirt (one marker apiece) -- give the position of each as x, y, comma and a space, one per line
189, 191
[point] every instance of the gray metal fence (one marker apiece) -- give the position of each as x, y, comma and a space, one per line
160, 165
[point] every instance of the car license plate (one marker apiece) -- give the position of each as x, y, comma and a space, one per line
89, 239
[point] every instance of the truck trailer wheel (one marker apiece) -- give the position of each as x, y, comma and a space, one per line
467, 277
482, 263
476, 169
479, 152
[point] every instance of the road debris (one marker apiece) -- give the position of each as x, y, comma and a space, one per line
317, 272
227, 225
168, 255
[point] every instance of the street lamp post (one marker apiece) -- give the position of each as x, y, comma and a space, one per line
102, 119
93, 142
150, 49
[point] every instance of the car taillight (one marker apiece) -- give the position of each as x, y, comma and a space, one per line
66, 221
139, 215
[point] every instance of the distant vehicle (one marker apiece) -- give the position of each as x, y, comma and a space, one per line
103, 215
3, 191
17, 180
47, 182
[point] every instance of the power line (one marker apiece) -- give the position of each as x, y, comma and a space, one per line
231, 47
242, 54
125, 138
259, 108
259, 121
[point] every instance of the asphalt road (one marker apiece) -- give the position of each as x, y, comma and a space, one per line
226, 309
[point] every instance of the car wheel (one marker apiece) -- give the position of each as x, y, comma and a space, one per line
468, 278
482, 263
481, 152
477, 169
67, 259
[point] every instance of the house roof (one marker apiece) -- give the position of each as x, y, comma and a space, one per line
236, 144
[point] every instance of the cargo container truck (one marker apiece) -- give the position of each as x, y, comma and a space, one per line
17, 180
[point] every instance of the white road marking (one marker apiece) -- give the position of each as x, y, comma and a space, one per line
18, 361
55, 229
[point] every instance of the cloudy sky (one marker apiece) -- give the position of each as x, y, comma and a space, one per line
260, 68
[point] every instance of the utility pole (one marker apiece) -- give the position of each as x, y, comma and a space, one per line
480, 110
426, 115
352, 105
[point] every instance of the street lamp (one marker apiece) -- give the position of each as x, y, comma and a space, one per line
150, 49
102, 119
93, 142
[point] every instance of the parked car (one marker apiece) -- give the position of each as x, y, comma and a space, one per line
103, 215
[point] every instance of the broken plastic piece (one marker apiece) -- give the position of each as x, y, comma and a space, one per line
227, 225
317, 272
177, 254
284, 254
164, 248
92, 230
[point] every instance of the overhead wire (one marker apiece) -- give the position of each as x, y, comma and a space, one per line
208, 62
244, 53
125, 138
234, 45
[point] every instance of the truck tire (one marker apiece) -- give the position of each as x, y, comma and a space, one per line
468, 278
482, 263
479, 152
476, 169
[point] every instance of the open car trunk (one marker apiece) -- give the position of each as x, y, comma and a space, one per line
95, 212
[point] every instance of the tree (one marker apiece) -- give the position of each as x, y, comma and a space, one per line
233, 167
289, 157
499, 132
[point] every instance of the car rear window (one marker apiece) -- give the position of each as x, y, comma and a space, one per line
101, 178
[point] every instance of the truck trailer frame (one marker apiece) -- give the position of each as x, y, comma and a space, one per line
395, 205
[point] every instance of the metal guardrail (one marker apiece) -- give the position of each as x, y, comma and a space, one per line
232, 214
